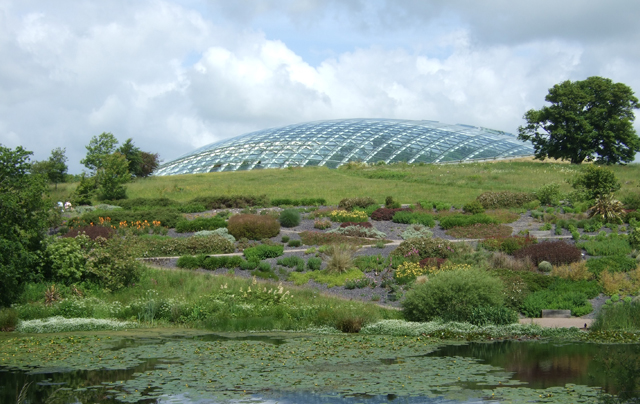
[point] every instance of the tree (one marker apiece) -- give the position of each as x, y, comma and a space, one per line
98, 149
111, 177
133, 156
149, 163
587, 120
23, 214
57, 166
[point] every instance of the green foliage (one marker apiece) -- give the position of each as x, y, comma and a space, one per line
406, 217
168, 246
66, 258
314, 263
289, 218
231, 201
298, 202
460, 220
111, 176
473, 207
294, 243
618, 317
549, 194
358, 231
507, 244
253, 227
292, 262
112, 265
350, 203
263, 251
98, 149
200, 223
634, 237
545, 266
166, 216
340, 258
613, 263
390, 203
326, 276
504, 199
23, 219
223, 232
501, 315
595, 181
425, 248
606, 245
562, 294
587, 120
607, 209
416, 231
452, 296
8, 319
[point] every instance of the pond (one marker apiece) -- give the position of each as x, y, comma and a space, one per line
167, 366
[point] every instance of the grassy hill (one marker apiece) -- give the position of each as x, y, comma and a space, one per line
455, 184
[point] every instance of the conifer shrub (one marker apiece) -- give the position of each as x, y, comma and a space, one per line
289, 218
253, 227
385, 214
263, 251
555, 252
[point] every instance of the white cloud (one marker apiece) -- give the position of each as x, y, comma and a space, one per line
177, 75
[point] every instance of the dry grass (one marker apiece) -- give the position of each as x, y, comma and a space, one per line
340, 258
506, 261
617, 282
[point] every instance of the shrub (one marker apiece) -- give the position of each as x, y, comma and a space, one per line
480, 230
555, 252
595, 181
549, 194
66, 258
385, 214
545, 266
634, 237
285, 239
314, 263
416, 231
319, 238
459, 220
213, 263
92, 232
408, 271
562, 295
482, 316
577, 271
507, 244
426, 248
606, 245
406, 217
607, 209
439, 206
346, 216
8, 319
167, 216
358, 231
253, 227
298, 202
231, 201
222, 232
163, 247
200, 223
294, 243
263, 251
191, 208
190, 261
452, 296
504, 199
144, 203
361, 224
289, 218
613, 283
112, 265
502, 260
473, 207
322, 224
614, 263
350, 203
390, 203
292, 262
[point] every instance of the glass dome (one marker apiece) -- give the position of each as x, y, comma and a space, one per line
337, 142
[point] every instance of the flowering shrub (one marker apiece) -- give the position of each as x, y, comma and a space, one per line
253, 227
416, 231
346, 216
409, 271
223, 232
426, 247
322, 224
358, 231
385, 214
61, 324
91, 231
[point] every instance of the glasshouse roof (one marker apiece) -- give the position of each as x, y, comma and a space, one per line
337, 142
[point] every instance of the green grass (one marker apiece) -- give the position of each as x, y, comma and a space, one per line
331, 279
454, 183
621, 316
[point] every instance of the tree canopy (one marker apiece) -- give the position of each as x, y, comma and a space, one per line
588, 120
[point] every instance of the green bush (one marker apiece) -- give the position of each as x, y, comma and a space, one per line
595, 181
253, 227
545, 266
504, 199
292, 262
223, 232
426, 248
8, 319
405, 217
144, 203
634, 237
350, 203
298, 202
459, 220
167, 247
624, 316
473, 207
213, 263
285, 239
314, 263
507, 244
231, 201
200, 223
65, 258
289, 218
416, 231
112, 265
562, 294
613, 263
612, 245
549, 194
294, 243
501, 315
263, 251
191, 208
190, 261
167, 216
452, 296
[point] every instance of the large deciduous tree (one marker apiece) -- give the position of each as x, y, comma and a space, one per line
588, 120
98, 149
23, 218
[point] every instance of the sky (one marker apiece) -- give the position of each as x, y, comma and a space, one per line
175, 75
